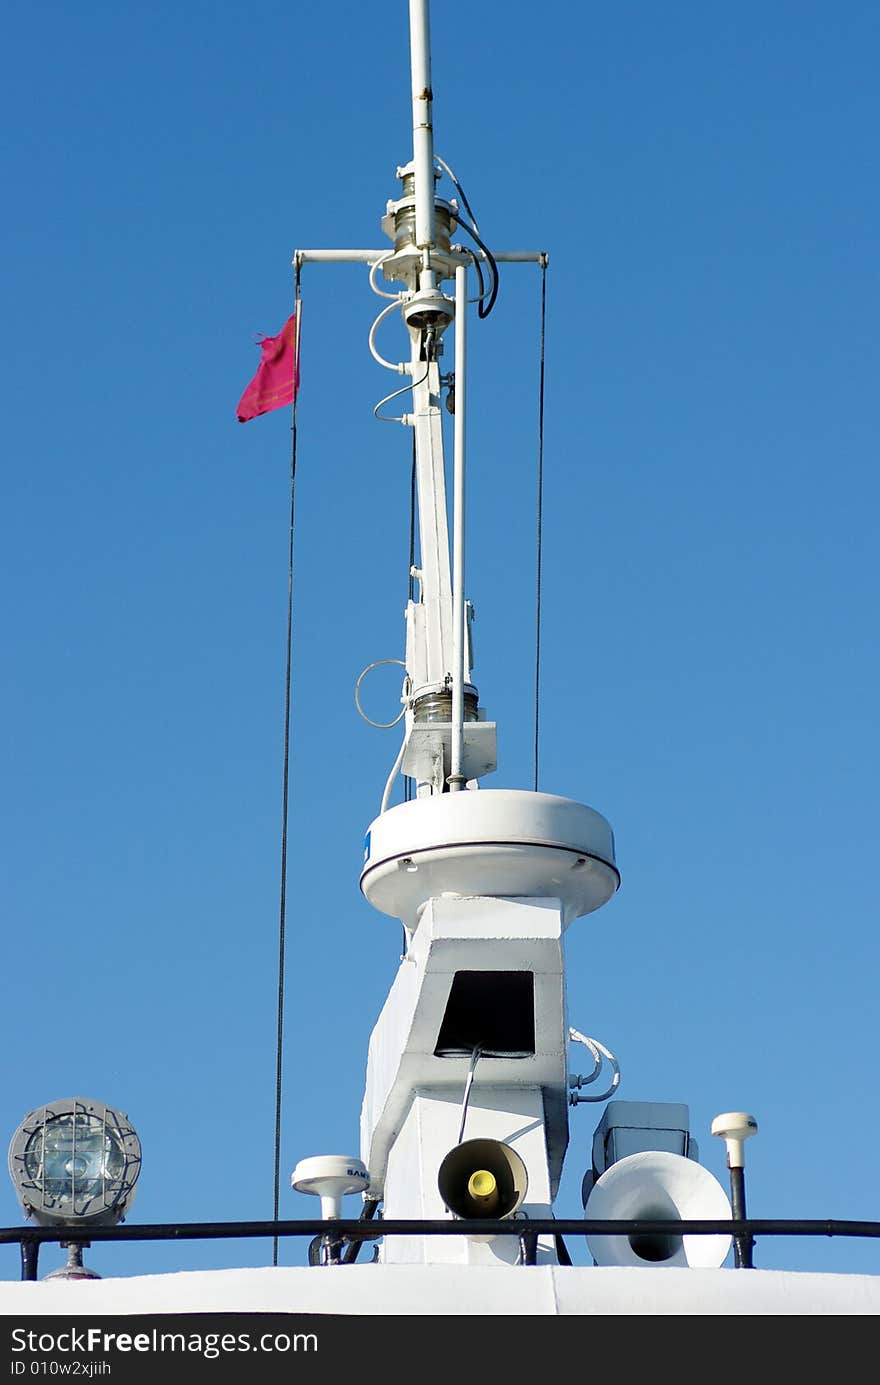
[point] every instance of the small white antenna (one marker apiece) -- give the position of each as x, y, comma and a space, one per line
330, 1177
734, 1128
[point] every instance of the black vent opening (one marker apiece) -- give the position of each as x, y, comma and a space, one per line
494, 1010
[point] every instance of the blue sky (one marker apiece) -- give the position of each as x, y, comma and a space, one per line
704, 179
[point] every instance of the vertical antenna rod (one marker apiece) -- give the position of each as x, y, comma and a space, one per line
423, 135
456, 778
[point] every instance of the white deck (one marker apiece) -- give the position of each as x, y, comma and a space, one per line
453, 1290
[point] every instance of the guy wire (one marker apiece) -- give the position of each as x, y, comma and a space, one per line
540, 514
285, 790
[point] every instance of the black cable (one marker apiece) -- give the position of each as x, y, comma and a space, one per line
484, 309
285, 797
475, 261
458, 187
387, 418
540, 514
350, 1254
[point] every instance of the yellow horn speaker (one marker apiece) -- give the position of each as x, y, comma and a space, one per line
482, 1178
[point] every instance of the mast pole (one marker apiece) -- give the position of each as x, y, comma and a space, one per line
423, 137
457, 779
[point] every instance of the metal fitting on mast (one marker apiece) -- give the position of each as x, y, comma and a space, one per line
399, 221
421, 267
436, 707
419, 225
428, 310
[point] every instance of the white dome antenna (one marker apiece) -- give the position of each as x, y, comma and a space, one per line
734, 1128
330, 1177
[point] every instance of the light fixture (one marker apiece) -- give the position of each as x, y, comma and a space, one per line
75, 1163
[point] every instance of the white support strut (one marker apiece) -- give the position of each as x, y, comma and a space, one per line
370, 257
429, 640
457, 778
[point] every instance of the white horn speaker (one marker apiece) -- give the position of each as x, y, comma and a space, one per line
482, 1178
658, 1186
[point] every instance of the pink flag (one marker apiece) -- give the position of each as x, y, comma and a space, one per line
277, 378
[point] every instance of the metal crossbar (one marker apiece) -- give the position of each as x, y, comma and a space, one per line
30, 1238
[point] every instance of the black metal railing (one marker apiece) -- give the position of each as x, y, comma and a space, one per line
332, 1236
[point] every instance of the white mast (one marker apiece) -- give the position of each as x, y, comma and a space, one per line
465, 1110
470, 1050
457, 777
423, 134
437, 661
468, 1059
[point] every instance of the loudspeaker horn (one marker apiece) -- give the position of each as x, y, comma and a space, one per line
482, 1178
656, 1185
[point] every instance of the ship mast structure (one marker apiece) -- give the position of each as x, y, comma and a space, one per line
465, 1111
464, 1121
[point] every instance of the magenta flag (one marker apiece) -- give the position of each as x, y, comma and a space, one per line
277, 378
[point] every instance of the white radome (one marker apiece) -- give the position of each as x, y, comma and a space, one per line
503, 843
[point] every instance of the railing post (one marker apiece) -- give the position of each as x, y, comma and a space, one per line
743, 1246
30, 1254
528, 1245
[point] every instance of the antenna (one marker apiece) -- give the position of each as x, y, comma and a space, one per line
734, 1128
330, 1177
423, 133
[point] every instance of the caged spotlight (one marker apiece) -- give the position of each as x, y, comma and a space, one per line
75, 1163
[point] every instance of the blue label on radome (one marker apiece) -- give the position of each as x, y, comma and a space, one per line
367, 847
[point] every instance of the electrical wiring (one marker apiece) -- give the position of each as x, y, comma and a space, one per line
472, 229
396, 418
381, 725
377, 264
389, 782
469, 1082
458, 187
599, 1051
386, 725
483, 310
400, 367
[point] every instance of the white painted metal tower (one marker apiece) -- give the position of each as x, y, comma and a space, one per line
466, 1103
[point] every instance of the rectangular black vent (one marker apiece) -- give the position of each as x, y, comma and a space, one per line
492, 1009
